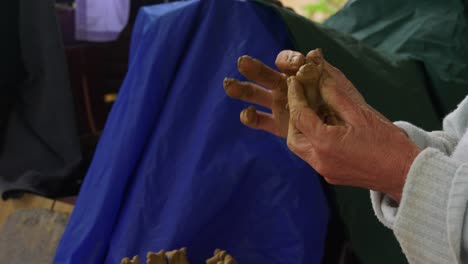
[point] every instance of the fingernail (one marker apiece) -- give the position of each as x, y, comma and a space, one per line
227, 82
227, 87
240, 61
294, 60
243, 60
248, 116
318, 56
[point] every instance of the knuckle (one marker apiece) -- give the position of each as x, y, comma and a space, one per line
324, 147
296, 114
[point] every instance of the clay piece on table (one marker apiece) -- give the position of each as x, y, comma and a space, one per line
221, 257
177, 256
134, 260
125, 261
156, 258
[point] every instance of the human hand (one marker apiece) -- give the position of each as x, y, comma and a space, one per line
267, 88
365, 150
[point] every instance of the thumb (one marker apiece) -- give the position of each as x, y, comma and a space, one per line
336, 99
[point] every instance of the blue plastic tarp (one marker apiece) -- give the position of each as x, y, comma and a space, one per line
175, 167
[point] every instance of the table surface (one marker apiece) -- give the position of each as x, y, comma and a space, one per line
31, 201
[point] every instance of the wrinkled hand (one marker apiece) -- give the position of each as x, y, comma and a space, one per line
266, 88
366, 150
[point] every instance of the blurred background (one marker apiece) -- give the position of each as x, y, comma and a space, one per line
316, 10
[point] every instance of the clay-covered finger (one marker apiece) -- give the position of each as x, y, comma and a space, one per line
309, 76
249, 117
248, 92
258, 120
314, 56
300, 113
258, 72
289, 61
310, 73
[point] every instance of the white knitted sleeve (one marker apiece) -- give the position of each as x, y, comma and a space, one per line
420, 221
444, 141
430, 220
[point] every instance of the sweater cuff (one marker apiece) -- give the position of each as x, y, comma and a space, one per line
385, 208
416, 134
421, 222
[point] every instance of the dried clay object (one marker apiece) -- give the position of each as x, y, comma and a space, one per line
177, 256
156, 258
221, 257
310, 75
134, 260
180, 257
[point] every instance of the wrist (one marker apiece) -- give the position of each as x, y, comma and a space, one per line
400, 178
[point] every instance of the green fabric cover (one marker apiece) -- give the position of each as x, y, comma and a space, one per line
409, 60
433, 32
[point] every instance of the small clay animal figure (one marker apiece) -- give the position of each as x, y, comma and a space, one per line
125, 261
221, 257
180, 257
177, 256
134, 260
156, 258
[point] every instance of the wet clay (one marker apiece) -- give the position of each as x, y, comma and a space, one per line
310, 75
248, 116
